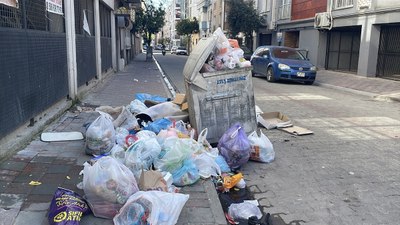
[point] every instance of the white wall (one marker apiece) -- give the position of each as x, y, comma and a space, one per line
109, 3
386, 4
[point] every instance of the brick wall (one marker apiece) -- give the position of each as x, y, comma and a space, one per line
303, 9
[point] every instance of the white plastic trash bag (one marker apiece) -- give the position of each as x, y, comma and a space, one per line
141, 154
100, 135
206, 165
121, 116
144, 134
262, 149
165, 110
126, 120
118, 153
107, 185
151, 207
136, 106
244, 210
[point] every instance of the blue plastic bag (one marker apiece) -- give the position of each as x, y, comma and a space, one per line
188, 174
158, 125
144, 96
220, 160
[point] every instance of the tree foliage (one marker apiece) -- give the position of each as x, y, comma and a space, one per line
148, 20
187, 26
242, 17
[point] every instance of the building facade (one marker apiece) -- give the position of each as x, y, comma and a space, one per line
54, 51
354, 36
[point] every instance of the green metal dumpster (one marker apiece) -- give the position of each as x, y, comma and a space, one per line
218, 99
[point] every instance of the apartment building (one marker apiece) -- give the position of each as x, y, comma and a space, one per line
354, 36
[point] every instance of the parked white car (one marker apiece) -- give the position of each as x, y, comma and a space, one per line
181, 51
173, 49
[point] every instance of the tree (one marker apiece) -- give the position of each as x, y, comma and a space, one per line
187, 27
242, 17
148, 21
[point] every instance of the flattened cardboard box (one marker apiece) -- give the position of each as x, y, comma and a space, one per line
296, 130
273, 120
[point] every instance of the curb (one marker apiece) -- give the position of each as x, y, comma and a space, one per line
22, 136
364, 93
394, 97
171, 88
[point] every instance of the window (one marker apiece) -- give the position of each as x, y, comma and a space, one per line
284, 9
265, 53
343, 3
259, 52
284, 53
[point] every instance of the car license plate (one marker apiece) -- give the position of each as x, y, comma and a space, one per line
301, 74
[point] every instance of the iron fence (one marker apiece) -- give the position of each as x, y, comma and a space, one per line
33, 57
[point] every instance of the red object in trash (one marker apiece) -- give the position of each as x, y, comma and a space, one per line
130, 139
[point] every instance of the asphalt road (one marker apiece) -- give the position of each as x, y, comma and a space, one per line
346, 172
172, 66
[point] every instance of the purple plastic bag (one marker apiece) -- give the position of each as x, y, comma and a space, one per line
234, 146
67, 208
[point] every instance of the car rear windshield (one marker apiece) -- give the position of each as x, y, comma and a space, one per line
181, 48
284, 53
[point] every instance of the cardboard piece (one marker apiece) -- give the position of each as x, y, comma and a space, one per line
152, 180
61, 136
296, 130
179, 99
273, 120
184, 106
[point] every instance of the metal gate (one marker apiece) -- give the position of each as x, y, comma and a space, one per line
389, 52
33, 56
343, 49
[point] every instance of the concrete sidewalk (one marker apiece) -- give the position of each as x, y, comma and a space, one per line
57, 164
377, 88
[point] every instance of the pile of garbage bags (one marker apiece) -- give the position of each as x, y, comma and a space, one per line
227, 54
144, 152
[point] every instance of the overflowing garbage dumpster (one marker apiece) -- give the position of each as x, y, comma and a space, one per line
218, 96
142, 154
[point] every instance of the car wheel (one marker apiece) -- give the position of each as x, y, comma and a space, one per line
253, 74
270, 75
309, 82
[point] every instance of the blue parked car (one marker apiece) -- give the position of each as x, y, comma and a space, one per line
282, 63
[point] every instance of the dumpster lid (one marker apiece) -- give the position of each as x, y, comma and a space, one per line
196, 61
